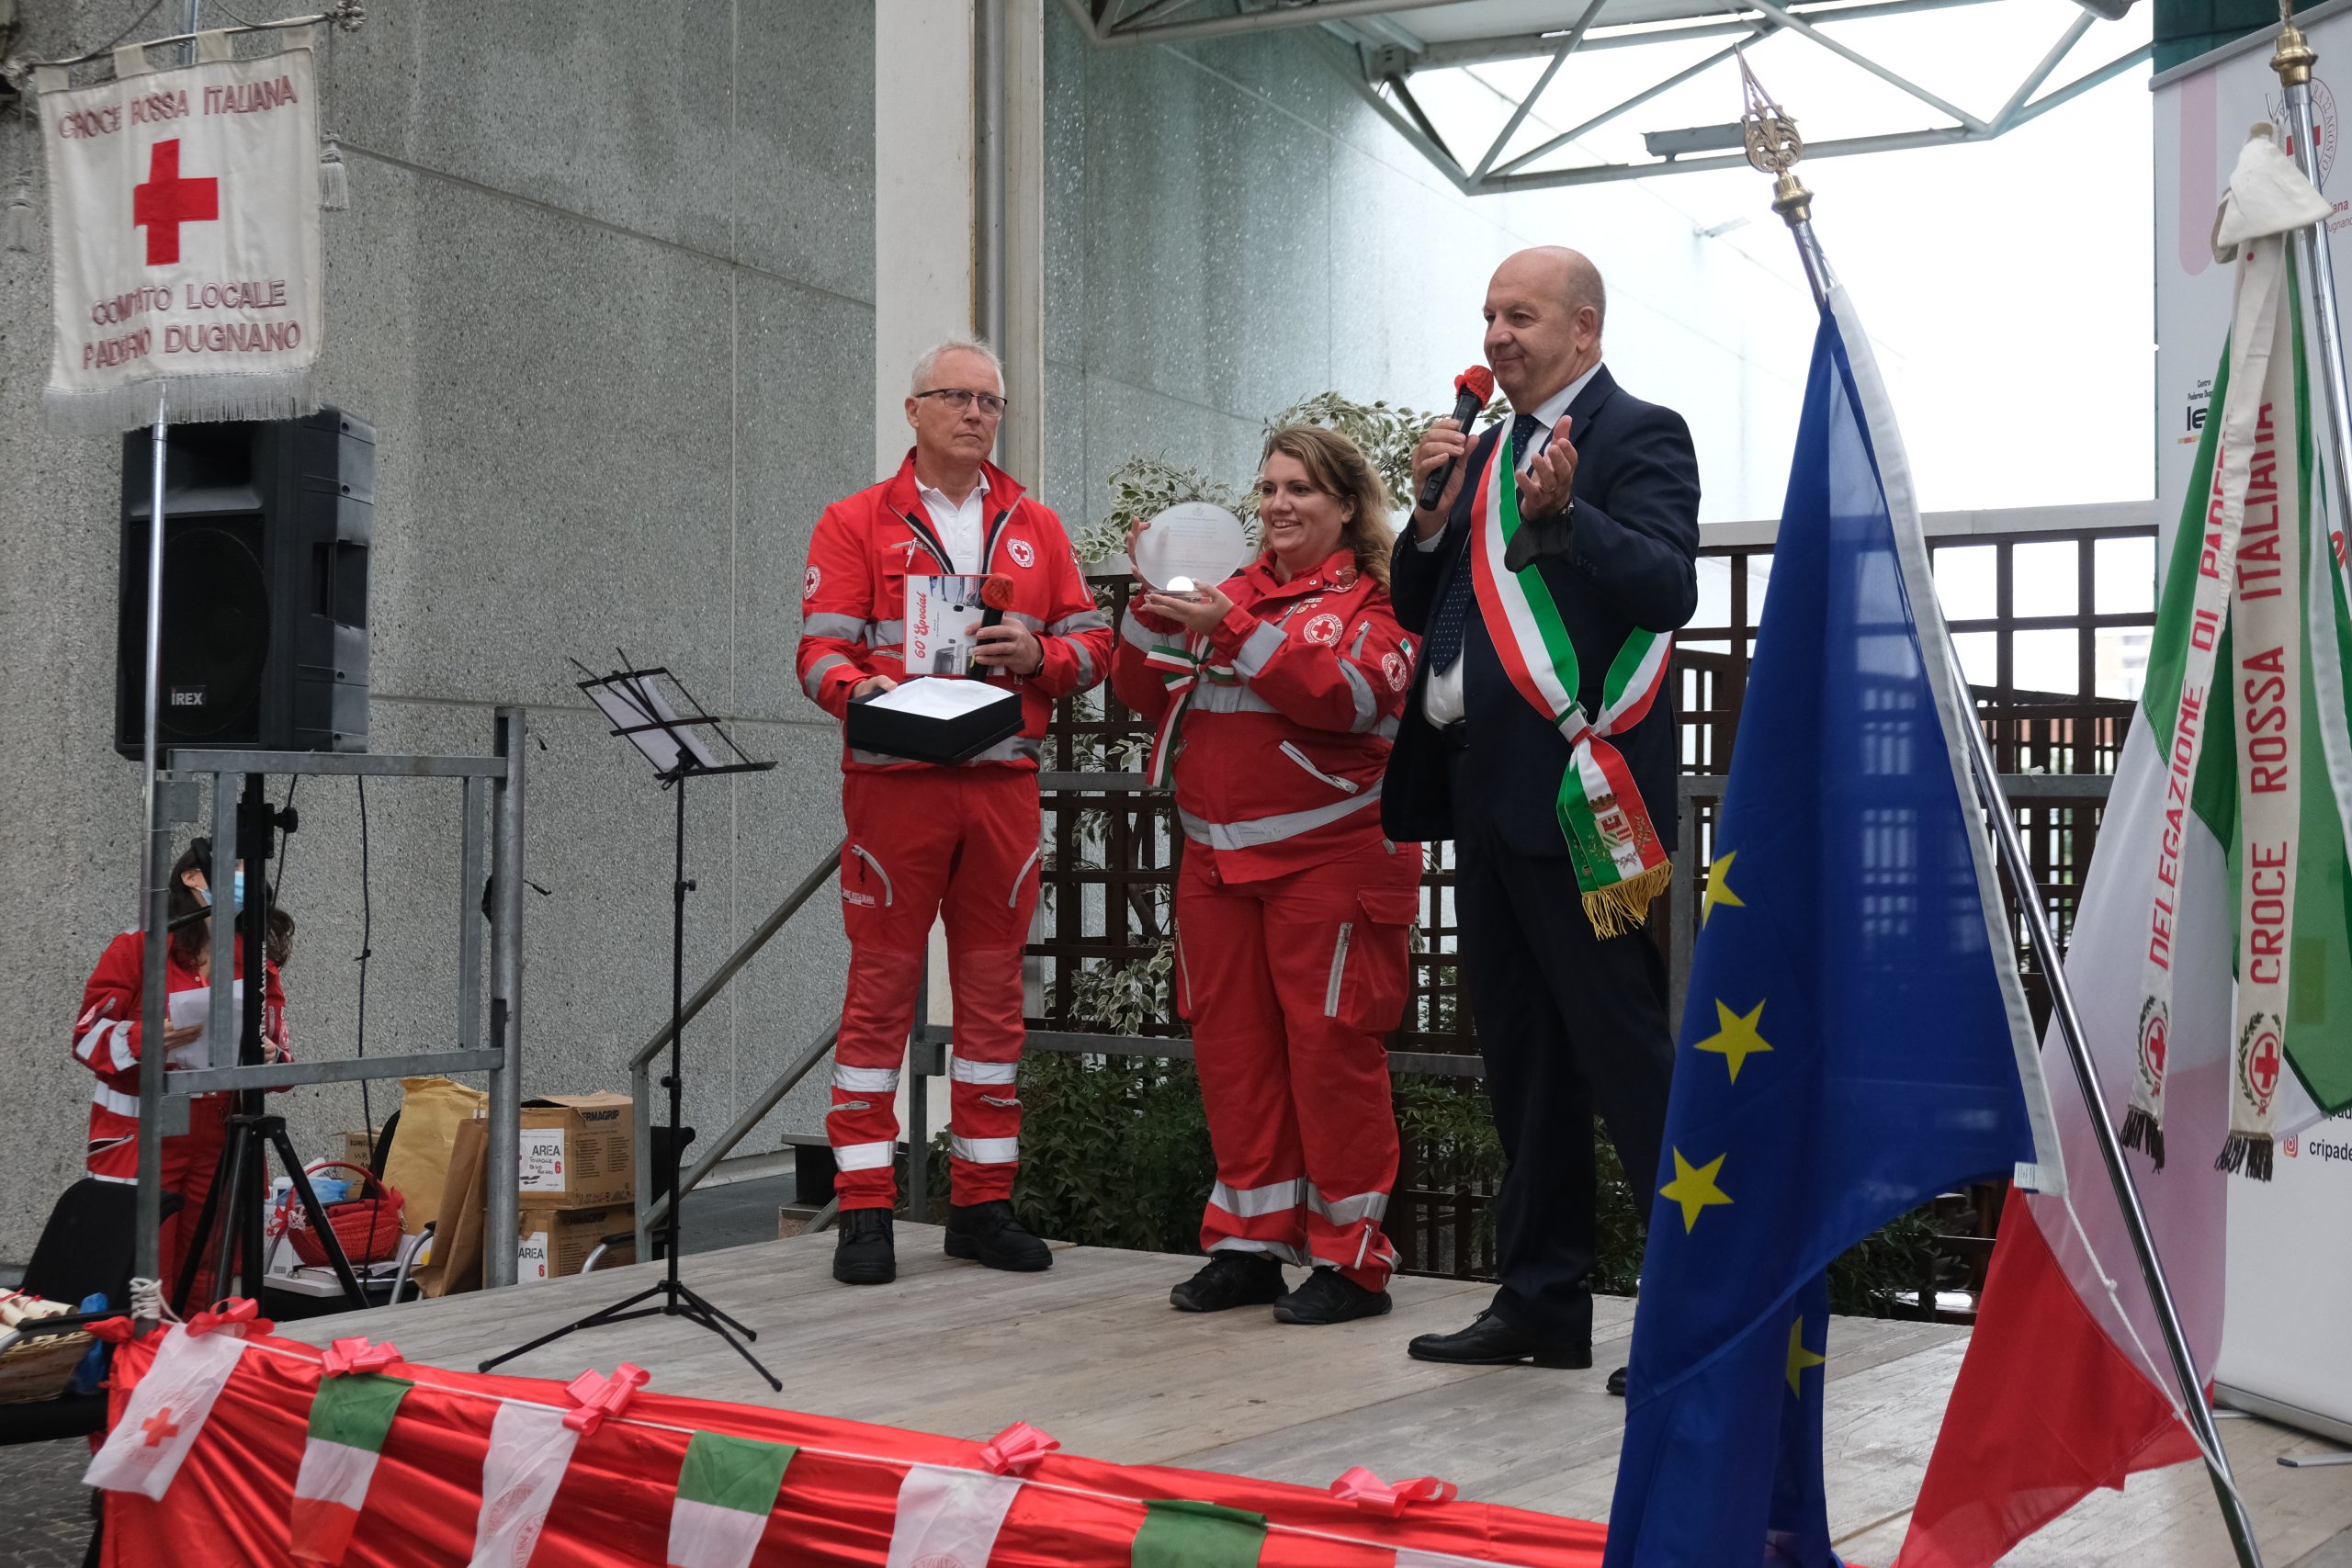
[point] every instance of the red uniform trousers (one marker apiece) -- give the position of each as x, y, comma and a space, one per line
1292, 985
961, 843
191, 1159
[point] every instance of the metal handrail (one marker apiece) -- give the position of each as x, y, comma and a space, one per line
751, 945
649, 1209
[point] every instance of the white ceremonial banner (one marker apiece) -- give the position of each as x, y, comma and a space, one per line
184, 241
2290, 1258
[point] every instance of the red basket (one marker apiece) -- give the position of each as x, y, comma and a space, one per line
368, 1227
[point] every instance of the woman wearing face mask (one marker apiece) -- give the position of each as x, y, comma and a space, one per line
1292, 910
107, 1039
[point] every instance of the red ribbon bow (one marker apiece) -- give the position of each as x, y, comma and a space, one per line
114, 1330
598, 1396
239, 1315
1014, 1449
1368, 1491
348, 1355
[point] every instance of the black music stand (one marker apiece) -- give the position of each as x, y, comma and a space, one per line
673, 737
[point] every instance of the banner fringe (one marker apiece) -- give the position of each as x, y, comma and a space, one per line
2247, 1154
2145, 1133
1624, 906
187, 399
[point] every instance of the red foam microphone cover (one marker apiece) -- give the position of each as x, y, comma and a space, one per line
1477, 380
996, 591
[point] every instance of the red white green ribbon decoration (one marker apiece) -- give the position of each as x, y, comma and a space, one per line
1182, 667
1619, 863
350, 1417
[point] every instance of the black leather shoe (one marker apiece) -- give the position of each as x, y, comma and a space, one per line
1617, 1382
863, 1252
990, 1236
1491, 1342
1228, 1279
1329, 1296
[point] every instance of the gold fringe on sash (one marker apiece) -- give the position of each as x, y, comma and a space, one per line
1624, 906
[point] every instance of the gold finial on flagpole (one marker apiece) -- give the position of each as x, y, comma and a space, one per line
2294, 57
1774, 147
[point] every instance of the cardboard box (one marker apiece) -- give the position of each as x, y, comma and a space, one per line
556, 1242
358, 1147
578, 1151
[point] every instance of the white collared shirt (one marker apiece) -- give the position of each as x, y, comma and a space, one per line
1441, 700
960, 529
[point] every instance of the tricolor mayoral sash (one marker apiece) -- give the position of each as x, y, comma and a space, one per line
1619, 863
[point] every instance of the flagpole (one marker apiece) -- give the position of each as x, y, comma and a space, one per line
1774, 147
2293, 60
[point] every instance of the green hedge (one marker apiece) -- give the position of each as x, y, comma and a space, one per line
1114, 1152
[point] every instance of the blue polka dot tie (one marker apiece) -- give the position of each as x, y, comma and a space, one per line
1453, 610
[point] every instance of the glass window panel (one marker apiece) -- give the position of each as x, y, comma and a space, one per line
2048, 661
2124, 575
2046, 578
1980, 655
2119, 656
1966, 585
1715, 592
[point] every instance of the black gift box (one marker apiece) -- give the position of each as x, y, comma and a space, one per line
922, 739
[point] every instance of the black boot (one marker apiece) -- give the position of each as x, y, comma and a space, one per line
863, 1254
1230, 1278
988, 1234
1329, 1296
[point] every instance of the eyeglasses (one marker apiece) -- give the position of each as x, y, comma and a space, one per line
959, 399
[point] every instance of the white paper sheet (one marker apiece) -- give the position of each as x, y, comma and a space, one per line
184, 1008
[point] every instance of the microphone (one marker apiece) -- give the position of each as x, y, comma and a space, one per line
1471, 390
996, 598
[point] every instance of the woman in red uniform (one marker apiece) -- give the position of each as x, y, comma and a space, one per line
107, 1040
1276, 697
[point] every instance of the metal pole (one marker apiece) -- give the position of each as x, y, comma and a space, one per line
989, 175
505, 1003
2293, 61
155, 903
1793, 203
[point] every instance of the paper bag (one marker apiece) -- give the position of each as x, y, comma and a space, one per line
431, 1111
456, 1263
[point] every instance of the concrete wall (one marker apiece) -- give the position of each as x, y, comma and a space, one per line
1230, 227
605, 290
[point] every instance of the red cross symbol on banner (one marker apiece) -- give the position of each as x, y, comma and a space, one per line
160, 1427
165, 201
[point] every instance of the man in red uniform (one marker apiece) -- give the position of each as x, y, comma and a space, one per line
928, 841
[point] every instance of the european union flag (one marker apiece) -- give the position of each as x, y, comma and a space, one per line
1855, 1040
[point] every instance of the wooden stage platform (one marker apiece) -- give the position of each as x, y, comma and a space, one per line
1091, 1352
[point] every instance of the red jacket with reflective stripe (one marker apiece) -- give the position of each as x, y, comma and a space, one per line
1280, 746
852, 602
107, 1040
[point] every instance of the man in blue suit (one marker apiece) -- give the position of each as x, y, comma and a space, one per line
1571, 1020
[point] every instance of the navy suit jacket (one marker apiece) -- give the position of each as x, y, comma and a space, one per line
1626, 556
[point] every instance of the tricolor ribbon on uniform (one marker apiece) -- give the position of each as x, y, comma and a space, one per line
1182, 667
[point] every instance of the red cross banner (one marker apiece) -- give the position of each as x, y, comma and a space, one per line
183, 242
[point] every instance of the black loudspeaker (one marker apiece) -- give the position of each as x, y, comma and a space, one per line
264, 634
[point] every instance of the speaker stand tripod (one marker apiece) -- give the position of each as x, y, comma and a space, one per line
233, 1203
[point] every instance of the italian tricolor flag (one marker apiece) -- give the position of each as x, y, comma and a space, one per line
349, 1418
1178, 1534
727, 1489
2210, 958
